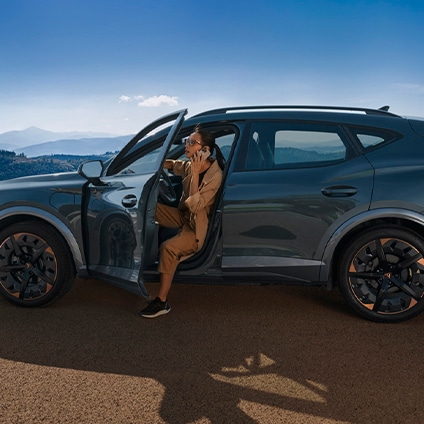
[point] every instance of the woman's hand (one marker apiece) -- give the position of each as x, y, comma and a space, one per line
197, 166
197, 163
168, 164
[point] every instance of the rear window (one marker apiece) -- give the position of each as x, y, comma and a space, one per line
307, 147
294, 145
373, 137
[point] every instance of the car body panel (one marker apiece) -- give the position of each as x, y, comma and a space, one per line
52, 198
400, 172
275, 219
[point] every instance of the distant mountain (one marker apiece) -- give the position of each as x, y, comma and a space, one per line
81, 147
12, 140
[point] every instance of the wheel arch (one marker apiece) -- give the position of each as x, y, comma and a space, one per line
16, 215
372, 219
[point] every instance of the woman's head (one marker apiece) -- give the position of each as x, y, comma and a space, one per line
201, 138
207, 138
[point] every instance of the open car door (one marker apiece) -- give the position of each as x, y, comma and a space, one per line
120, 229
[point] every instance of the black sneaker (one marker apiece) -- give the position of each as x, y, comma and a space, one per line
155, 309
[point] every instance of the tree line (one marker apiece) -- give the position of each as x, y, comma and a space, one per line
13, 165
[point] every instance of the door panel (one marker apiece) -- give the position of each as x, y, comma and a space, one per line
115, 227
277, 215
120, 208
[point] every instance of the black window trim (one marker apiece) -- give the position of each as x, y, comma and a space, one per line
355, 129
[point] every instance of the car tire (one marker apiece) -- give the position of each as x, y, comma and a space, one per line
381, 274
36, 266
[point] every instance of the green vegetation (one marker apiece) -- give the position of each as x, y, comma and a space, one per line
13, 165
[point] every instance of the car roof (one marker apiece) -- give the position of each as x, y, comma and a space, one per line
334, 114
383, 111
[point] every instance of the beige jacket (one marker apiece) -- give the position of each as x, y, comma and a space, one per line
201, 203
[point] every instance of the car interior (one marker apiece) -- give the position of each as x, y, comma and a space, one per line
225, 136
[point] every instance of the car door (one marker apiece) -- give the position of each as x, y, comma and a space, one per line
292, 187
120, 226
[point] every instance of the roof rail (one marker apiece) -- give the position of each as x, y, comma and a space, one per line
382, 111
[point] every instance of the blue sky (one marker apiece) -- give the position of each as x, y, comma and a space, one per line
114, 65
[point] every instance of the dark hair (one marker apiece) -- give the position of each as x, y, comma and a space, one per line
208, 139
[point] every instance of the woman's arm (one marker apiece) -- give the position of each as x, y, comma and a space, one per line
204, 196
168, 164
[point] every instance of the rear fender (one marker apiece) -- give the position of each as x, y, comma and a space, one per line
355, 224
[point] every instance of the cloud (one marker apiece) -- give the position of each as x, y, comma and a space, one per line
156, 101
124, 99
153, 101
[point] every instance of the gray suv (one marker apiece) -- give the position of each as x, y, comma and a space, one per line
312, 195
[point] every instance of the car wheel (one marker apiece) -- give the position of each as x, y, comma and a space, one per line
381, 274
35, 264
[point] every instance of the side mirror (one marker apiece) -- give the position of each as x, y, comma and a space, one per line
92, 171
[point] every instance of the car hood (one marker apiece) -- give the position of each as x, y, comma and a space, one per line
43, 180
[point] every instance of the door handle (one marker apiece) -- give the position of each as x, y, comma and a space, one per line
129, 201
339, 191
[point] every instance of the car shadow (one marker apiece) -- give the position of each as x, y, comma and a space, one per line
225, 352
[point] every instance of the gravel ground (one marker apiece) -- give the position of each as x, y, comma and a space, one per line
225, 354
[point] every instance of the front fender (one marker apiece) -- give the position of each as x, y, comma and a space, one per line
54, 221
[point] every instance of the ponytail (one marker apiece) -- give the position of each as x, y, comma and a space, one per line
219, 157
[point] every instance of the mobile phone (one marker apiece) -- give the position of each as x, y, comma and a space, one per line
205, 153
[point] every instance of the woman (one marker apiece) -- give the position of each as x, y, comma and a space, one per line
202, 177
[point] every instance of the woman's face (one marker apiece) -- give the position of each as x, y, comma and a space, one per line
193, 144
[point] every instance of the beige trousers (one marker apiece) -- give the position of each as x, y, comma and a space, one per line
183, 244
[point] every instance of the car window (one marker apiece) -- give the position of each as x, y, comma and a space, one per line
143, 153
224, 138
279, 145
370, 138
144, 164
225, 143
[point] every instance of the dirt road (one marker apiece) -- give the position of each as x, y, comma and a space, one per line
239, 354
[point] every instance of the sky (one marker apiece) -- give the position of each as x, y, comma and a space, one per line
115, 65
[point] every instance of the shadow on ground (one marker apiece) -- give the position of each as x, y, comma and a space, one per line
224, 351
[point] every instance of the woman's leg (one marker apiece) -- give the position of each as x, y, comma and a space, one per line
168, 216
170, 254
169, 257
165, 286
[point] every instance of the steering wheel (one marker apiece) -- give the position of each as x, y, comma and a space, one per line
166, 189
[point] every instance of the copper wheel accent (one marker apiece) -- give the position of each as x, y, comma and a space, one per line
386, 276
28, 266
